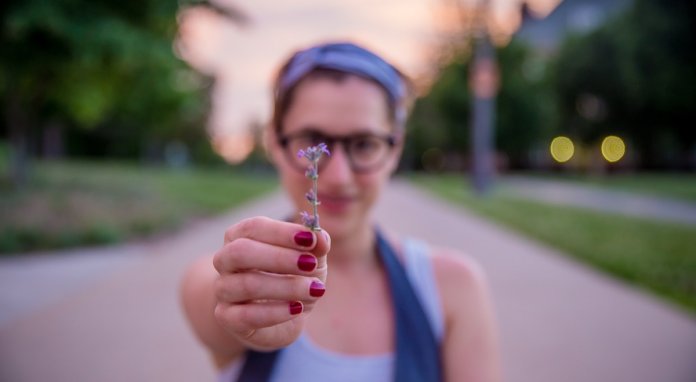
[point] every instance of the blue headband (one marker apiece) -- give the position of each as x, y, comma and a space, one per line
349, 58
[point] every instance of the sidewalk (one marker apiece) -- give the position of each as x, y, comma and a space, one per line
559, 321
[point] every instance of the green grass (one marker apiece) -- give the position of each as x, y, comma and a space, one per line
78, 203
657, 256
670, 185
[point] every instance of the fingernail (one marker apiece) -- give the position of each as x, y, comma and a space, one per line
295, 307
307, 263
304, 238
317, 289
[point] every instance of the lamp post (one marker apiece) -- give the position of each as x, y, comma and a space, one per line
484, 82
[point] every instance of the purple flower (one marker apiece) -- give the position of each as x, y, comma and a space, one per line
311, 197
312, 154
322, 148
311, 173
308, 220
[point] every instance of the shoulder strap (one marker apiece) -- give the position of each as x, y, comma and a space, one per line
417, 350
258, 366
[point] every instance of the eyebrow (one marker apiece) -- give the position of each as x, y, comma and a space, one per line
313, 129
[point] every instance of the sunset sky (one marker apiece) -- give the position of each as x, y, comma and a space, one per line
243, 59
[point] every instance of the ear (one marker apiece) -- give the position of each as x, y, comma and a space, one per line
270, 144
397, 151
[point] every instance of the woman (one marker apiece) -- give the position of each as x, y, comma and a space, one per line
391, 309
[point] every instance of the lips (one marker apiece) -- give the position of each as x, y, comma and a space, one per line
335, 203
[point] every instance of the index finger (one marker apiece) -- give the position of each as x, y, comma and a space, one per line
282, 234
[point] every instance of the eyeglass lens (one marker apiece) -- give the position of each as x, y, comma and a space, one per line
365, 151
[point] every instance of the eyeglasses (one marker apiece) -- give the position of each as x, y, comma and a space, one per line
366, 152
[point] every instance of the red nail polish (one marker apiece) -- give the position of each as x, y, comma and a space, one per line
304, 238
317, 289
306, 262
295, 307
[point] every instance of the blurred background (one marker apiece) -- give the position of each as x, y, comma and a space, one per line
569, 122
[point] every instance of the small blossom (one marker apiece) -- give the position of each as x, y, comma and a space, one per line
322, 148
311, 173
313, 153
311, 197
308, 220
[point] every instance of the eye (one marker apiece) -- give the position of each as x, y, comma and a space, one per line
316, 138
365, 145
301, 143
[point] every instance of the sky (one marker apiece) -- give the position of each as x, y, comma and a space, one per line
243, 59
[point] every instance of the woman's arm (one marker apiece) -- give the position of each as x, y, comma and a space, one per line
198, 301
470, 348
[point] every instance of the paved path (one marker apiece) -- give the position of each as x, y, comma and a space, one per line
46, 277
563, 193
559, 321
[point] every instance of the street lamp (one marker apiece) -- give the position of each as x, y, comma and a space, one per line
484, 83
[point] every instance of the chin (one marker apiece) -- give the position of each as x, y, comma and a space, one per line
342, 226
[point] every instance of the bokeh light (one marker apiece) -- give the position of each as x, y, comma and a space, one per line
613, 148
562, 149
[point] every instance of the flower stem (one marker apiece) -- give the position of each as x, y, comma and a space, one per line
316, 201
312, 153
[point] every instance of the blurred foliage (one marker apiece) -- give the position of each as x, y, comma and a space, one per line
68, 204
102, 73
523, 117
633, 76
440, 118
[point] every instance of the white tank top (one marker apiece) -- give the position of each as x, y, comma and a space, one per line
320, 364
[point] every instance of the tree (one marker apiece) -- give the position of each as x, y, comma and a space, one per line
633, 76
525, 111
90, 65
438, 119
441, 118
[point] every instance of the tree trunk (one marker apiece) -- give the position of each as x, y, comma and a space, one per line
52, 145
18, 126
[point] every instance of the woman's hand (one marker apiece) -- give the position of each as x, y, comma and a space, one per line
271, 273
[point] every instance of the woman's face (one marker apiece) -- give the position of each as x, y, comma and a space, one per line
350, 107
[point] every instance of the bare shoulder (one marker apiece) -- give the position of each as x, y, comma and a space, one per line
461, 281
200, 265
470, 348
198, 301
456, 269
198, 270
195, 290
196, 282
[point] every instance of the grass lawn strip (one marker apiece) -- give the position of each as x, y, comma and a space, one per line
667, 185
78, 203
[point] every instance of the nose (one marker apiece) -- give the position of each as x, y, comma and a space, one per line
337, 169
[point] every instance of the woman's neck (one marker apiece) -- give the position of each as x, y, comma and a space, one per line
354, 251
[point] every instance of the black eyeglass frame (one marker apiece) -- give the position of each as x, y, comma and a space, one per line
284, 141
